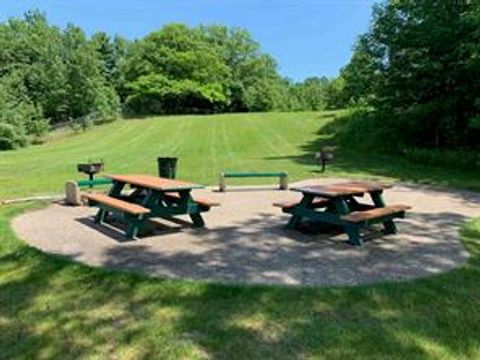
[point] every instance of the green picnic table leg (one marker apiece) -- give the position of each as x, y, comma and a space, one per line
197, 220
296, 216
134, 225
100, 216
115, 191
186, 200
389, 225
353, 232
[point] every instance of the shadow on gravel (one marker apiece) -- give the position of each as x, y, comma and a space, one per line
249, 253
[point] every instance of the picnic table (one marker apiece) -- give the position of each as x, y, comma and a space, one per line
152, 197
337, 205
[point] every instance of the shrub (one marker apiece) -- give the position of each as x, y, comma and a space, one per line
465, 159
11, 137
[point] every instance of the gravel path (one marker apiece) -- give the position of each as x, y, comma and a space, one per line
245, 241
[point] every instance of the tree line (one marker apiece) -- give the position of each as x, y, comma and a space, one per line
51, 76
416, 72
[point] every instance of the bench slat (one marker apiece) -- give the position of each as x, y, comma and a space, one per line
97, 181
116, 203
253, 174
199, 201
361, 216
318, 202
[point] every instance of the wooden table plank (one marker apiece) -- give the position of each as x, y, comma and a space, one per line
154, 182
342, 189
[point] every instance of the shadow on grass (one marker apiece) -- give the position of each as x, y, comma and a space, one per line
52, 308
352, 159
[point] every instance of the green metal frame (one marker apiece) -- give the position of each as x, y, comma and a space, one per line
337, 207
231, 174
159, 204
94, 182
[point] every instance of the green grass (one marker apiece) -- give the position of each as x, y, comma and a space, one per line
206, 145
51, 308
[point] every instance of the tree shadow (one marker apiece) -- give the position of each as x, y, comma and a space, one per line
263, 251
353, 158
53, 308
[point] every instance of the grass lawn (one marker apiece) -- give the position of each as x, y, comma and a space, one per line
206, 145
53, 308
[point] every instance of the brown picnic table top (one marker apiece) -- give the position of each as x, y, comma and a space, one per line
342, 189
153, 182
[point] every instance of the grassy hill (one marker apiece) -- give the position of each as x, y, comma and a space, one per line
53, 308
205, 145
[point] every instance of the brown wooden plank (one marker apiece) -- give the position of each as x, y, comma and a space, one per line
368, 185
343, 189
117, 203
318, 202
199, 201
153, 182
360, 216
329, 191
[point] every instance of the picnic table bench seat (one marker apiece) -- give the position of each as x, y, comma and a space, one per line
115, 203
200, 201
288, 205
366, 216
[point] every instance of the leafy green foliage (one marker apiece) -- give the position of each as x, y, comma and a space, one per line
174, 70
205, 69
418, 68
18, 116
60, 76
48, 76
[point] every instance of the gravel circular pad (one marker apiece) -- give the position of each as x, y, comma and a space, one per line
245, 241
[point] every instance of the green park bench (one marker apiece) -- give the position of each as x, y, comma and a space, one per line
282, 175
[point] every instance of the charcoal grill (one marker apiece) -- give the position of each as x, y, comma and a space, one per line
91, 169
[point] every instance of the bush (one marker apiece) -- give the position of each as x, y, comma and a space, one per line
364, 129
465, 159
11, 137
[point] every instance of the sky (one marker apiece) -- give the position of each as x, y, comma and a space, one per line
307, 37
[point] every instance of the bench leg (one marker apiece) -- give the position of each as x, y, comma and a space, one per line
283, 182
294, 222
132, 231
296, 218
354, 235
389, 227
100, 217
197, 220
134, 225
222, 186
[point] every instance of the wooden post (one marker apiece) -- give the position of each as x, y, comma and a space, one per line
222, 186
284, 182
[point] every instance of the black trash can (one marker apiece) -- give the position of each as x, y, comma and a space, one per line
167, 167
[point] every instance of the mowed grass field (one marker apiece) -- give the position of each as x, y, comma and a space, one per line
205, 146
52, 308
